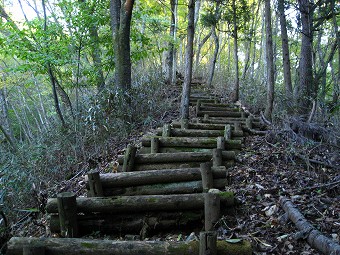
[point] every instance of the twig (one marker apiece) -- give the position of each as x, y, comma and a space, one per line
320, 186
265, 120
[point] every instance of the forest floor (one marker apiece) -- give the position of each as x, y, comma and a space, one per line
265, 171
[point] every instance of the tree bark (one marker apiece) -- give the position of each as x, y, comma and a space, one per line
285, 50
214, 59
188, 61
121, 14
306, 89
270, 61
76, 246
170, 54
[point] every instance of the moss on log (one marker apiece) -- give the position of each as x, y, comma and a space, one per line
160, 166
77, 246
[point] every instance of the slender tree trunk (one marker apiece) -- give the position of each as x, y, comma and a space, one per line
200, 46
96, 57
214, 59
188, 61
174, 55
336, 88
170, 54
121, 14
306, 92
285, 50
270, 61
5, 126
235, 94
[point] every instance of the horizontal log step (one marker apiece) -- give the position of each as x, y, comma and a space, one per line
177, 157
132, 223
77, 246
191, 142
219, 114
126, 204
127, 179
176, 132
164, 188
219, 108
161, 166
202, 126
147, 150
219, 105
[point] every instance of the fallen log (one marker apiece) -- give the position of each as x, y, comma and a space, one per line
77, 246
314, 237
122, 204
132, 223
191, 142
127, 179
177, 157
164, 189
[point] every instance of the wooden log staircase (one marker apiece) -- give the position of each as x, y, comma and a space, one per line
175, 181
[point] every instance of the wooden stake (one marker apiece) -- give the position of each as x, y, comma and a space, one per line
184, 123
221, 143
249, 122
208, 243
154, 145
206, 116
95, 185
67, 209
237, 126
211, 210
129, 158
33, 250
227, 132
207, 176
217, 157
198, 106
166, 130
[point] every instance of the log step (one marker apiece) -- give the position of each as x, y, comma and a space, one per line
128, 204
177, 132
77, 246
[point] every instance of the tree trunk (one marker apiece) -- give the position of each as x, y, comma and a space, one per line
270, 61
188, 61
121, 14
306, 91
5, 126
336, 88
75, 246
285, 51
170, 54
214, 59
235, 93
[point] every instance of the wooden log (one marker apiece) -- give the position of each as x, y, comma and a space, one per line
154, 144
128, 179
94, 184
218, 108
122, 204
66, 206
222, 121
166, 132
165, 188
178, 157
77, 246
314, 237
33, 250
220, 114
201, 133
191, 142
129, 158
212, 208
220, 105
198, 107
161, 166
208, 243
207, 176
238, 126
132, 223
